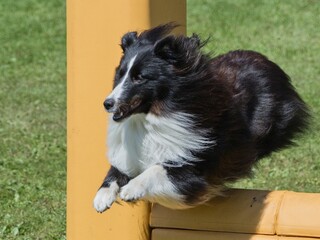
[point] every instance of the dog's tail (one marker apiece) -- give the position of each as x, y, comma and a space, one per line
288, 116
273, 110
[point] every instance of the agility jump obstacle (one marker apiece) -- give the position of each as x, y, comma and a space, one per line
94, 29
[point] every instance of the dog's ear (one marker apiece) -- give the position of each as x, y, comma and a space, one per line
128, 39
178, 50
167, 49
195, 41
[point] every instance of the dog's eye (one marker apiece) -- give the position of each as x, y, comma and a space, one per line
138, 78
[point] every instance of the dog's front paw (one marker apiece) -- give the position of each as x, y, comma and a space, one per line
133, 191
105, 197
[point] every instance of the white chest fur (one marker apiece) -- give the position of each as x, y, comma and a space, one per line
145, 140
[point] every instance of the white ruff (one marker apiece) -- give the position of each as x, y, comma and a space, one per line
143, 140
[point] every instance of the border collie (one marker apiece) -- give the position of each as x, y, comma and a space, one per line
184, 124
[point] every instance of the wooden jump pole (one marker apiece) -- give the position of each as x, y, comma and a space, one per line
94, 29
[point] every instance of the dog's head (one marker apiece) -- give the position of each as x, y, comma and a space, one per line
148, 69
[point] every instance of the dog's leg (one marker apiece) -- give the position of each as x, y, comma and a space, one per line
174, 187
154, 185
109, 189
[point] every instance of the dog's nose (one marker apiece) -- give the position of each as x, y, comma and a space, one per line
109, 103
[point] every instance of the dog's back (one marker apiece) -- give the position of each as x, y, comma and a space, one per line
269, 105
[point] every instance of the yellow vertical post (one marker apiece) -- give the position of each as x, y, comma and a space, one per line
94, 29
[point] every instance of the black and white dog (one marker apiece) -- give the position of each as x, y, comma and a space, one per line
185, 124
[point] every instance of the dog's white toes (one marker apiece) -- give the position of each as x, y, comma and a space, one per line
105, 198
132, 191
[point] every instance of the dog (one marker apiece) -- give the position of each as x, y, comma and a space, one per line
183, 123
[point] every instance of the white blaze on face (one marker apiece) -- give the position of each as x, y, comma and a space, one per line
116, 93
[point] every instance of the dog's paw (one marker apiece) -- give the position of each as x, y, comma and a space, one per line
105, 197
133, 191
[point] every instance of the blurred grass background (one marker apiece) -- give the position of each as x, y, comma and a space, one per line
33, 99
32, 119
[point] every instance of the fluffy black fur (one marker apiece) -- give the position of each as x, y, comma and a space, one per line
244, 101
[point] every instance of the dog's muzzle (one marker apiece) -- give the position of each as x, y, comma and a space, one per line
120, 110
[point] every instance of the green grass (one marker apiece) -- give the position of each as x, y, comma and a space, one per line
288, 33
32, 122
33, 107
